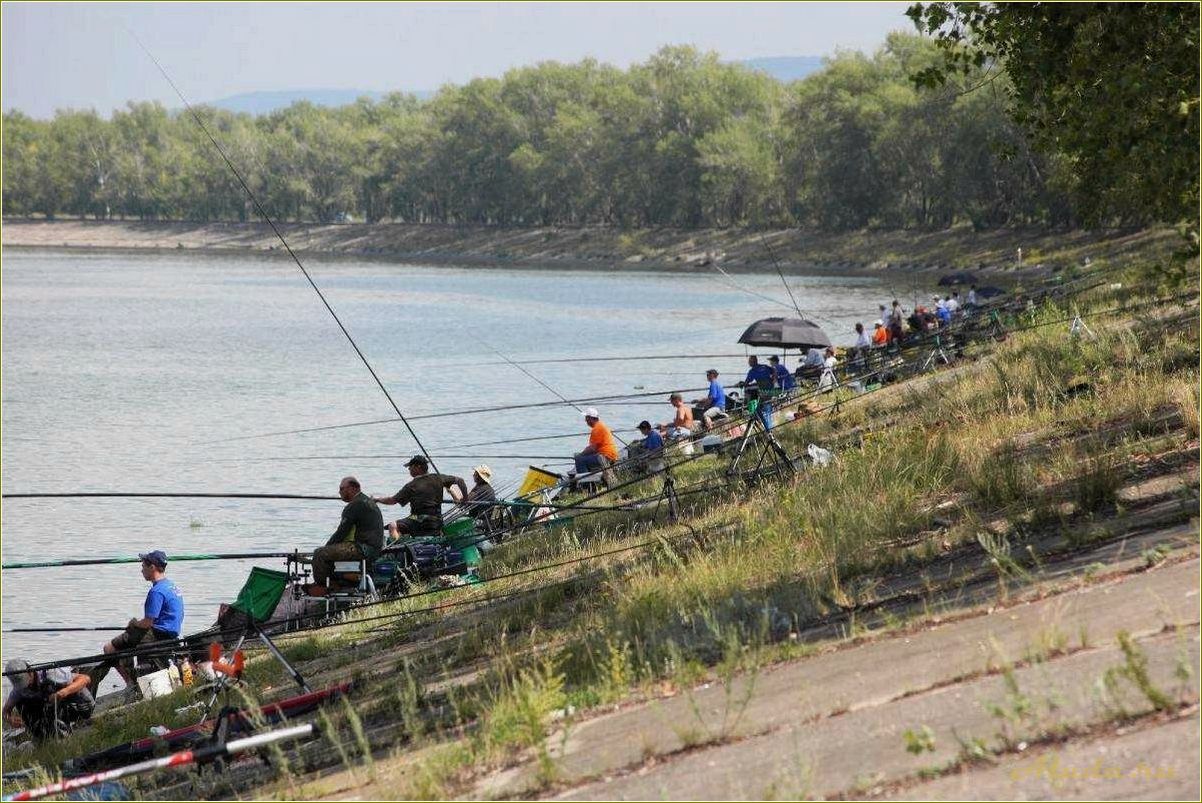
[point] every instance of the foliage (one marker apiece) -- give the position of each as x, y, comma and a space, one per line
1111, 86
681, 140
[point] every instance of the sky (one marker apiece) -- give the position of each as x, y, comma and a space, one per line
85, 55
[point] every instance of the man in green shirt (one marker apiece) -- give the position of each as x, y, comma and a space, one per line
360, 533
423, 494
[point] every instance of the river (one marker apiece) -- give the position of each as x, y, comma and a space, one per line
134, 372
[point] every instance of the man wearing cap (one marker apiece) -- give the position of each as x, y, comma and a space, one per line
360, 534
162, 619
46, 702
714, 404
880, 336
601, 450
423, 494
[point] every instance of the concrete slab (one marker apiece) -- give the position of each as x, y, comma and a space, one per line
852, 753
868, 675
1150, 763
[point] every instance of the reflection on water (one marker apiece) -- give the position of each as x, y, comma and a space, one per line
119, 372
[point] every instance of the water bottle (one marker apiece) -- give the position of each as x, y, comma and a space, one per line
185, 671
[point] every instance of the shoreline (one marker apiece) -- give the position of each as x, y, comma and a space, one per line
991, 255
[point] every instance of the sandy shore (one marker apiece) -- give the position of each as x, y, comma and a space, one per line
850, 253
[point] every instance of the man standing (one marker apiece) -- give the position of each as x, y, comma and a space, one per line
162, 619
601, 450
360, 535
423, 495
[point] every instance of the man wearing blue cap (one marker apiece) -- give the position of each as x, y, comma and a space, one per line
162, 618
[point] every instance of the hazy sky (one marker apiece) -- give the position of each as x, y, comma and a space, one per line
81, 55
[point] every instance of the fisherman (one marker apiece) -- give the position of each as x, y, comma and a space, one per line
682, 422
894, 322
162, 619
480, 498
648, 454
713, 406
652, 440
423, 494
880, 337
360, 535
829, 363
780, 374
972, 301
758, 376
601, 451
46, 702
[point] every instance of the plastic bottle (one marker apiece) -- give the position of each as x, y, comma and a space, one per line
185, 671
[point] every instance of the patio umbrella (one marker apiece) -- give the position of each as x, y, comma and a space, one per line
786, 333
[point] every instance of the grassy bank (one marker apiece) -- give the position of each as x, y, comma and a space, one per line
1019, 443
866, 252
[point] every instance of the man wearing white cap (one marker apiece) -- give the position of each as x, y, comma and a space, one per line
601, 450
46, 702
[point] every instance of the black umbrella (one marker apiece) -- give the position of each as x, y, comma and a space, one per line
957, 278
786, 333
989, 292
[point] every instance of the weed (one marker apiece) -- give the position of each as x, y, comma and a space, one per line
920, 740
1134, 670
1154, 556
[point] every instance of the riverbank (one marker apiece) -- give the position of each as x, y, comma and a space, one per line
993, 581
815, 253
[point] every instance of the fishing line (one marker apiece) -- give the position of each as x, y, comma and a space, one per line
259, 208
781, 274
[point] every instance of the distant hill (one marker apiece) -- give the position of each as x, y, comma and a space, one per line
785, 68
268, 101
782, 68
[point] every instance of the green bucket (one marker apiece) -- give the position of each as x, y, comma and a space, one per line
461, 534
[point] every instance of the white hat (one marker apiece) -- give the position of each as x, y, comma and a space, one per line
484, 471
879, 323
591, 412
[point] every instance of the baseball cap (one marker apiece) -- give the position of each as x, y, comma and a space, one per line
644, 424
591, 412
417, 460
157, 557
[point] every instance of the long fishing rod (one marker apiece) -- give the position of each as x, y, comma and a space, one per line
630, 358
162, 495
619, 400
781, 274
42, 564
263, 212
200, 755
555, 392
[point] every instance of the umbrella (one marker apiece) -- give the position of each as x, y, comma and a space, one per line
957, 278
989, 292
786, 333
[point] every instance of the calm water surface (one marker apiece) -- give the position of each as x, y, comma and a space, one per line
120, 370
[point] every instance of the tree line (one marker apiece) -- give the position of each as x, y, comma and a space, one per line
679, 140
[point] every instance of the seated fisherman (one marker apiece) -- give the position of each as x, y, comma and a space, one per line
780, 374
479, 500
713, 406
47, 702
758, 376
423, 494
649, 452
682, 422
360, 535
601, 451
162, 619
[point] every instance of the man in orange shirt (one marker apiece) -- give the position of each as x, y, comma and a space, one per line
601, 450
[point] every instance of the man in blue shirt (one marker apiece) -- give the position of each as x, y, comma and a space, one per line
759, 376
713, 406
162, 619
784, 379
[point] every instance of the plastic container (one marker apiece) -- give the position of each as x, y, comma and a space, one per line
156, 684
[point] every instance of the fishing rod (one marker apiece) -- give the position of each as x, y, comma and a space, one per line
555, 392
163, 495
618, 400
42, 564
200, 755
788, 289
263, 212
630, 358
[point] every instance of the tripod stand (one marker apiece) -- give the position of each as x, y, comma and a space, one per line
936, 352
770, 450
668, 494
1079, 326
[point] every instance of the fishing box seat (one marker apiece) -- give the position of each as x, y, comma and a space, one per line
255, 606
455, 551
